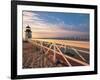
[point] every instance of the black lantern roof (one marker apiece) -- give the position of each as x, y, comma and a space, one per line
28, 26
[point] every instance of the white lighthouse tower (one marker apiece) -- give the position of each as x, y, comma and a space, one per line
28, 33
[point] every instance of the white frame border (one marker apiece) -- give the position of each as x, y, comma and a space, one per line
21, 71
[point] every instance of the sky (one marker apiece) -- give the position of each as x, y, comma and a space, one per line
56, 24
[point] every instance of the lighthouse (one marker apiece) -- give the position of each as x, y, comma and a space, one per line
28, 33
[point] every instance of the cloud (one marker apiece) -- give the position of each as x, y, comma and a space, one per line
30, 18
41, 28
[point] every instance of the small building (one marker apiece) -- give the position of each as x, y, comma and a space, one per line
28, 33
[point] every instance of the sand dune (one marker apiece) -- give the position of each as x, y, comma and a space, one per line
82, 44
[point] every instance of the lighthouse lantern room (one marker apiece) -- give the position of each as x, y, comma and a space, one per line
28, 33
